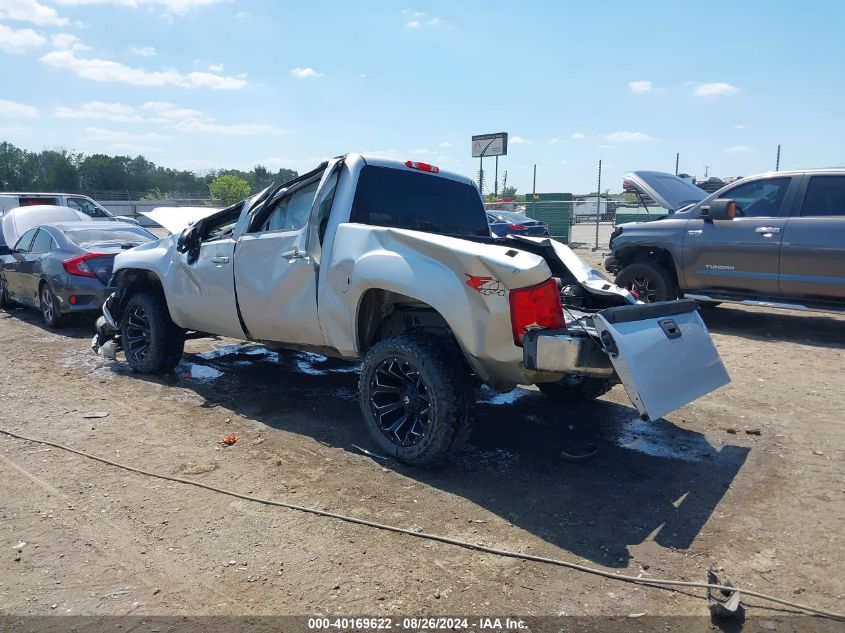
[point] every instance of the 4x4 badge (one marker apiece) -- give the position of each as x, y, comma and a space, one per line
485, 285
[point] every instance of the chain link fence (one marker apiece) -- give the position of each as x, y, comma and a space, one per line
580, 221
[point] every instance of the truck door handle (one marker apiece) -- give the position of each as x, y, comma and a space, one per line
294, 254
763, 230
220, 259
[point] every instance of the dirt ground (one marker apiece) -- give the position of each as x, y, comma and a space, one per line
750, 478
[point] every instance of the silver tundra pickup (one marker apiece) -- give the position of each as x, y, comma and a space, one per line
773, 240
393, 263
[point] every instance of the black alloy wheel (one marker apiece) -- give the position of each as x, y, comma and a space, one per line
400, 402
137, 334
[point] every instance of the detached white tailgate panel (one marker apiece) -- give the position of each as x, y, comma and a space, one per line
666, 358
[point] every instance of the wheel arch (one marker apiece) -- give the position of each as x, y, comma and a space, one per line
128, 281
644, 252
382, 313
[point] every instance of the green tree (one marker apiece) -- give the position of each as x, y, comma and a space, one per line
229, 188
260, 178
58, 171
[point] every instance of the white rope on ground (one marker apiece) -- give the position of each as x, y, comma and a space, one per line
655, 582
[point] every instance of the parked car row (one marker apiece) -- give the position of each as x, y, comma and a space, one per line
61, 259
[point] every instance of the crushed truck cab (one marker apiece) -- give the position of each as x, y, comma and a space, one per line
394, 264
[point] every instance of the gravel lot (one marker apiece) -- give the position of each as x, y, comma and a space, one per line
750, 478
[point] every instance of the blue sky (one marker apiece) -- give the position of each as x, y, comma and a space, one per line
201, 84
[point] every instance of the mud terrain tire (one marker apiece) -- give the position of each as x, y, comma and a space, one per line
152, 343
424, 380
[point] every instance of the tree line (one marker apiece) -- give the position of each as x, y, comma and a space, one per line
101, 175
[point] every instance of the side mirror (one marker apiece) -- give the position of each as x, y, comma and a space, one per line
719, 209
5, 250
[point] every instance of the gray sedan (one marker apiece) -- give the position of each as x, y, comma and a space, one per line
64, 267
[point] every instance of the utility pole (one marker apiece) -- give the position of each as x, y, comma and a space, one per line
598, 208
677, 159
777, 161
534, 186
706, 171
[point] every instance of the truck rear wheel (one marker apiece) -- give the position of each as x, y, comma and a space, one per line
415, 395
152, 342
651, 281
573, 389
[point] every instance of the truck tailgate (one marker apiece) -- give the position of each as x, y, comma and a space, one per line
663, 354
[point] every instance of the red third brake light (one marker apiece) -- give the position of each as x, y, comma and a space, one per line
517, 227
77, 266
535, 307
433, 169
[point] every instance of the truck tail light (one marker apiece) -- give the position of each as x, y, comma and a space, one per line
432, 169
78, 266
517, 227
536, 307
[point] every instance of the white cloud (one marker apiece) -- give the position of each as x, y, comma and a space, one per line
111, 71
739, 126
100, 110
243, 16
143, 51
120, 136
554, 141
303, 73
216, 68
193, 121
715, 89
578, 136
445, 144
67, 41
627, 137
419, 19
174, 6
639, 87
30, 11
15, 110
737, 149
164, 111
518, 140
19, 41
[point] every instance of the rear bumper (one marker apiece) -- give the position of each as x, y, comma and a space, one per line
559, 351
86, 294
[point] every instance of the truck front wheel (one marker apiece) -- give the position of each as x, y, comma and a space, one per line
152, 342
415, 394
574, 389
649, 280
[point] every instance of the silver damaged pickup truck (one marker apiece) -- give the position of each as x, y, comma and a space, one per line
393, 263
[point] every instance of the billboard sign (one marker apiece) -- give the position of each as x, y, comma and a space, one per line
490, 145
